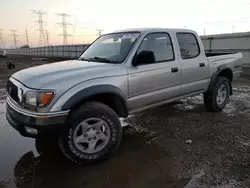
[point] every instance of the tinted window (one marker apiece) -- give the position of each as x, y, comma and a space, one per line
160, 44
188, 44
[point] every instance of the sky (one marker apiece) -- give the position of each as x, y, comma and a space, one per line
204, 16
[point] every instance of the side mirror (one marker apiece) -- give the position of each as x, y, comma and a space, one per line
144, 57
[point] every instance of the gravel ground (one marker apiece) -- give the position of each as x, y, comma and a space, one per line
179, 145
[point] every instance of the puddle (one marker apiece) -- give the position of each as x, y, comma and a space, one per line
27, 162
13, 146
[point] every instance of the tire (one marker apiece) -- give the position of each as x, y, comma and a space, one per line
100, 124
212, 104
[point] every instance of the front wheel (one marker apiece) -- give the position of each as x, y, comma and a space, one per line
218, 97
92, 133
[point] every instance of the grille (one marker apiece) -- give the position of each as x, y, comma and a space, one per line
12, 91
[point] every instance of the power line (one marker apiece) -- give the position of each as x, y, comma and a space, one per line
14, 37
84, 7
243, 19
96, 4
64, 24
84, 35
40, 21
27, 36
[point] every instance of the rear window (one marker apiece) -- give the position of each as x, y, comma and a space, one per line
188, 45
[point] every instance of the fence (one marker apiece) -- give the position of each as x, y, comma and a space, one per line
230, 43
66, 51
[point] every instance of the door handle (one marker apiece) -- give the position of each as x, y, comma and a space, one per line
137, 74
202, 64
175, 69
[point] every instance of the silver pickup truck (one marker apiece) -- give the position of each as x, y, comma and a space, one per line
81, 101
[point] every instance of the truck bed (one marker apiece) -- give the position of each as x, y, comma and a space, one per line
232, 61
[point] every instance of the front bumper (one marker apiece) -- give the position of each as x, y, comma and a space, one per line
32, 124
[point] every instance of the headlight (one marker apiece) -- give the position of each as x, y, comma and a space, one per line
37, 98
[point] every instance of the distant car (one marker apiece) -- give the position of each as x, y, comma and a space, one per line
3, 53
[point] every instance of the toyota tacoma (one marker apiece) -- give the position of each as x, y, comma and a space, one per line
80, 101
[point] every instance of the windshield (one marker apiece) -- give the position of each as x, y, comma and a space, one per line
111, 48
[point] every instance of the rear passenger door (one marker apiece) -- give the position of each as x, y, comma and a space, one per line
156, 81
193, 62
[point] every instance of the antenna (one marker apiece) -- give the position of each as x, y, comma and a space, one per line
64, 24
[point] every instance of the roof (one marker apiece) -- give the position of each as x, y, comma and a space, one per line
153, 30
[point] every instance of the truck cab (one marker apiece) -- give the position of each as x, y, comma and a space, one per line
179, 67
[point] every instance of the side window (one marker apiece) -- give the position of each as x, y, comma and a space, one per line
188, 44
161, 46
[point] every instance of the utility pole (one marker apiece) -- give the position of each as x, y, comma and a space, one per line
27, 36
47, 37
14, 37
64, 24
1, 39
40, 21
99, 32
204, 31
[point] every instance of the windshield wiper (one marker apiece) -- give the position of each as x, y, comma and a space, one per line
100, 59
83, 59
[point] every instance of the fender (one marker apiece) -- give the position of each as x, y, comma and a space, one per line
96, 90
216, 74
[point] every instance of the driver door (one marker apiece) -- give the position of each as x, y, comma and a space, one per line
156, 81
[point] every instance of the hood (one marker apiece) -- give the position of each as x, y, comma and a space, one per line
38, 76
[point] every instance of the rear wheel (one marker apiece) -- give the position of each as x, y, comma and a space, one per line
218, 97
92, 134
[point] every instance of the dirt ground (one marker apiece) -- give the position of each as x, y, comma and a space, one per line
179, 145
